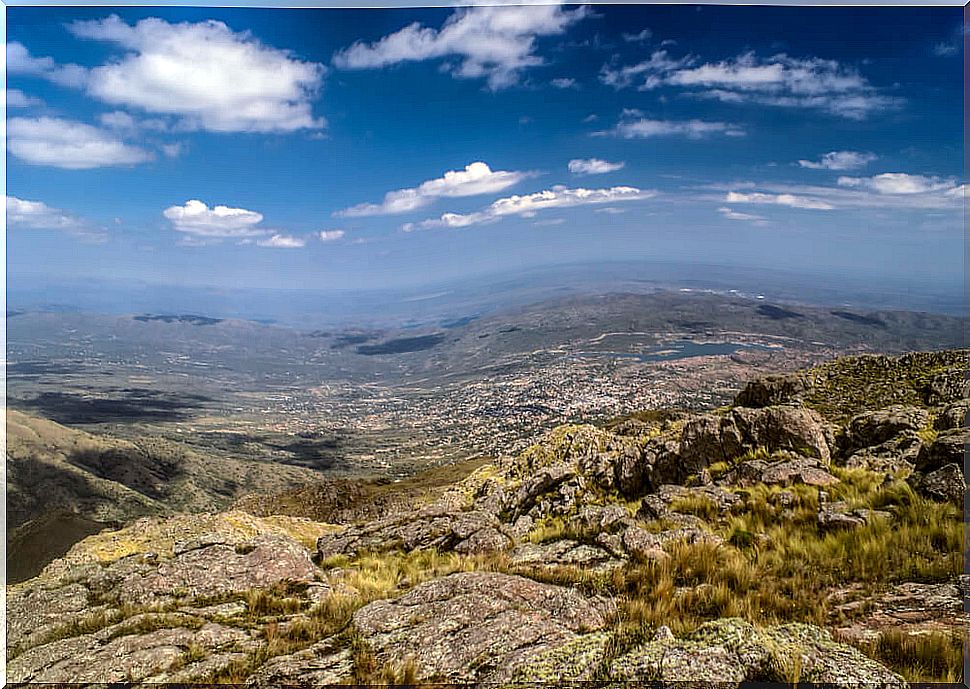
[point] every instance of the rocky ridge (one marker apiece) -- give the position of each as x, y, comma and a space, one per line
565, 562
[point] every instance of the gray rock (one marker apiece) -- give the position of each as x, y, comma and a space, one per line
321, 664
563, 553
784, 428
876, 427
445, 529
952, 416
773, 390
729, 651
946, 484
208, 571
948, 448
475, 626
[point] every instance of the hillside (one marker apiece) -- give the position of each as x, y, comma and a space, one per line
811, 531
62, 481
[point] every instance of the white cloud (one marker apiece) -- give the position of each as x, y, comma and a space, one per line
18, 99
632, 127
198, 220
20, 61
280, 241
528, 205
591, 118
551, 222
899, 183
593, 166
790, 200
564, 83
840, 160
477, 178
37, 215
660, 62
173, 150
203, 74
779, 80
68, 144
493, 43
946, 49
732, 214
885, 192
331, 235
638, 37
123, 121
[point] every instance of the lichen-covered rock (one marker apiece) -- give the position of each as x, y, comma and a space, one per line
106, 657
898, 453
434, 527
563, 553
318, 665
729, 651
946, 484
773, 390
952, 416
948, 448
475, 626
206, 570
784, 472
574, 661
833, 516
778, 428
876, 427
705, 440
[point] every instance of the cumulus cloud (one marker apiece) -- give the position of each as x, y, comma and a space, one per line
494, 43
633, 126
37, 215
196, 219
900, 183
68, 144
20, 61
528, 205
331, 235
593, 166
840, 160
281, 241
203, 75
477, 178
779, 80
790, 200
18, 99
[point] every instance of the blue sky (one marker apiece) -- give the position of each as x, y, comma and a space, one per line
363, 148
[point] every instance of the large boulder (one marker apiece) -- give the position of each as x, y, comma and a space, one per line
948, 448
206, 568
111, 655
443, 528
708, 439
782, 472
730, 651
946, 484
876, 427
475, 626
778, 428
773, 390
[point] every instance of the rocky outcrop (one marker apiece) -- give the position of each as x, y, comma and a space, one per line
722, 653
475, 626
439, 527
795, 470
773, 390
948, 448
205, 568
946, 484
321, 664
